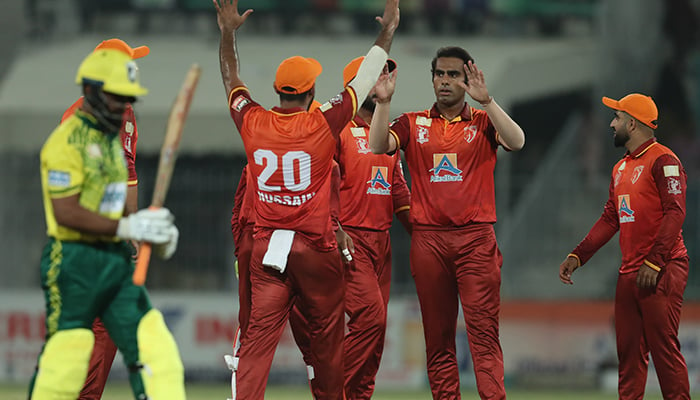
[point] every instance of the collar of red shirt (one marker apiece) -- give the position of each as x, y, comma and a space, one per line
288, 111
466, 114
642, 148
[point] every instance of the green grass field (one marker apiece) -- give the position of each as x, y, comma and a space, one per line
121, 391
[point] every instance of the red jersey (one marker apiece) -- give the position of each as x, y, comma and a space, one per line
372, 185
290, 154
451, 165
128, 133
646, 204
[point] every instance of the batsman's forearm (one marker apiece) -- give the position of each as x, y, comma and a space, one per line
511, 134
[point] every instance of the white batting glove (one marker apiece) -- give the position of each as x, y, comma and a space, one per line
148, 225
167, 249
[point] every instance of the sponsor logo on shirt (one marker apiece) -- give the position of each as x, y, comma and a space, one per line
445, 168
624, 209
470, 133
129, 128
671, 170
93, 150
239, 103
618, 175
637, 173
59, 179
378, 183
114, 198
674, 186
293, 201
358, 131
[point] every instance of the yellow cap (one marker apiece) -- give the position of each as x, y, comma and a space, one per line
114, 70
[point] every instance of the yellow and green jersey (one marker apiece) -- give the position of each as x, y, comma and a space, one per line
78, 158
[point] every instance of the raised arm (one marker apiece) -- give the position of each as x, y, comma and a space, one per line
229, 20
374, 61
380, 141
510, 133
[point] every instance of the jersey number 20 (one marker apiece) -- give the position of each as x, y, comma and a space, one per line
289, 160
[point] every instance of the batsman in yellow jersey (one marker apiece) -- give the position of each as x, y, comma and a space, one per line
86, 266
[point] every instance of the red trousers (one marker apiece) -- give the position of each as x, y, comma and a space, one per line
244, 249
314, 282
100, 363
368, 280
449, 266
646, 321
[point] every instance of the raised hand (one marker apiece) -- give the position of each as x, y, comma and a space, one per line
390, 19
384, 88
476, 84
227, 15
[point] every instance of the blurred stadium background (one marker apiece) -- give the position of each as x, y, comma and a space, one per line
547, 62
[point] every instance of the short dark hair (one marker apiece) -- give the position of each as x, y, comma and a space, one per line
293, 97
451, 52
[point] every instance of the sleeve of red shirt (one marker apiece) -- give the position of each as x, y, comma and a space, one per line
130, 153
342, 110
603, 230
335, 196
400, 194
401, 129
236, 227
673, 206
239, 103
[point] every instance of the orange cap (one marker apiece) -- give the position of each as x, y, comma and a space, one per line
637, 105
118, 44
350, 70
297, 75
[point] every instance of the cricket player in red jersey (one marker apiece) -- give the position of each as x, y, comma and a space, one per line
450, 150
290, 153
104, 351
647, 205
372, 190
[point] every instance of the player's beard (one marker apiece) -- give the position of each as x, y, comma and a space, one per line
620, 138
369, 103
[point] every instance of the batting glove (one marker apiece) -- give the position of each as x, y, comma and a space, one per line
167, 249
148, 225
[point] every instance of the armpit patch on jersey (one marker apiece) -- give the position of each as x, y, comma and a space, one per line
671, 170
239, 102
59, 179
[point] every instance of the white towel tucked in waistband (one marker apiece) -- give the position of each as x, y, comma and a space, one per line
278, 249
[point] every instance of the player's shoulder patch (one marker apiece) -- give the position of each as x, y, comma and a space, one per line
239, 102
671, 170
59, 178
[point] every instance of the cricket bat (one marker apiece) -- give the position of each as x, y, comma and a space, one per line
166, 163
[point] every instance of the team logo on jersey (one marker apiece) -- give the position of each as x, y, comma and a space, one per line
239, 103
378, 183
337, 99
59, 179
422, 134
637, 173
674, 186
470, 133
362, 146
624, 209
129, 127
445, 168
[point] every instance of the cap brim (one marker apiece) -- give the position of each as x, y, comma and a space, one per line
392, 64
141, 51
612, 103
